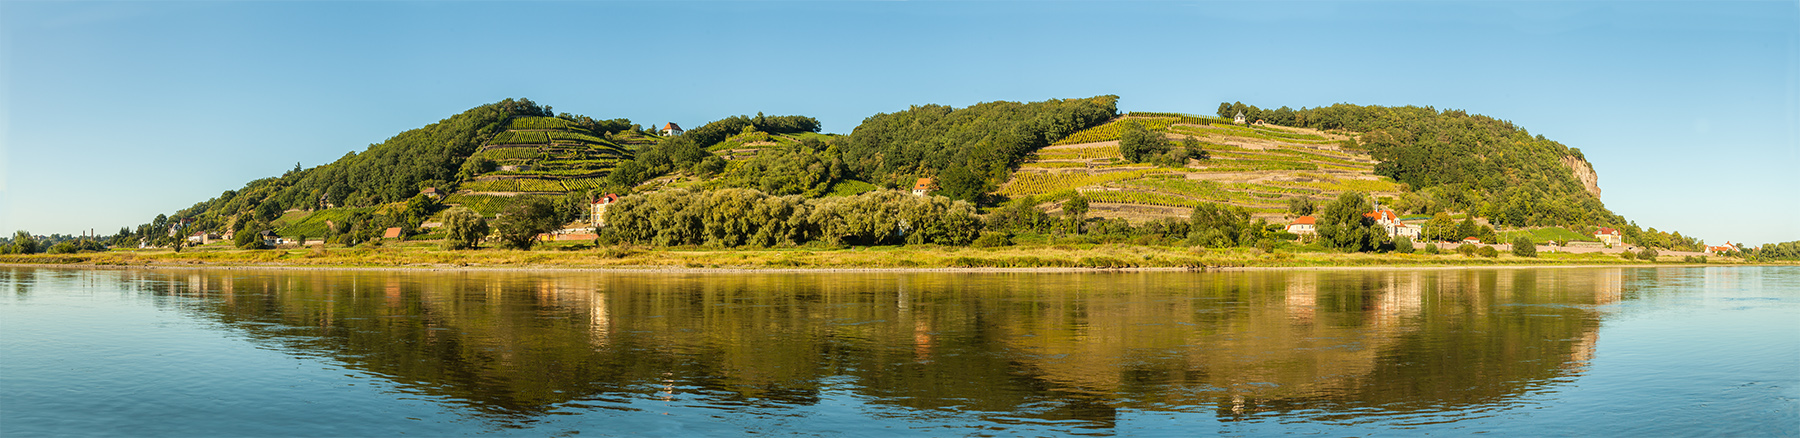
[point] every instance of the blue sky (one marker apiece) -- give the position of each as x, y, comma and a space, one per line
113, 112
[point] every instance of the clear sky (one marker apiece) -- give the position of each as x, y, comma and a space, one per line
113, 112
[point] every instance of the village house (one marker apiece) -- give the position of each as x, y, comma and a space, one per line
598, 209
1302, 225
1390, 223
431, 192
1609, 237
924, 187
672, 129
391, 233
1719, 250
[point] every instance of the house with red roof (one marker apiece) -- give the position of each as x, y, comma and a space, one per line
671, 129
1302, 225
598, 209
1717, 250
1610, 237
1390, 222
924, 187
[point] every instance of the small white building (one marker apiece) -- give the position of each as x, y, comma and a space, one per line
1239, 118
671, 129
924, 187
1302, 225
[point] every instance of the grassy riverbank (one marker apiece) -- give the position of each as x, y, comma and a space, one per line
1089, 256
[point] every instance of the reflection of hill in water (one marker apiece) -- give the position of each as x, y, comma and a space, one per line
1053, 347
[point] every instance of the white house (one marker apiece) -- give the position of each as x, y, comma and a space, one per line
671, 129
1302, 225
924, 187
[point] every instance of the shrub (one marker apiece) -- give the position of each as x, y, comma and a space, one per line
1524, 247
1647, 254
1627, 255
1431, 248
463, 229
1488, 251
1403, 245
1466, 250
992, 239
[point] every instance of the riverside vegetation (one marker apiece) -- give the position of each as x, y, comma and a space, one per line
1057, 183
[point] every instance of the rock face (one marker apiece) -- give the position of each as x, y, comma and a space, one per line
1584, 173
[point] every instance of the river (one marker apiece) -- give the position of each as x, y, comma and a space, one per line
1512, 352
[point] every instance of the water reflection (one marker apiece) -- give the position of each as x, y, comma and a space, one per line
1328, 346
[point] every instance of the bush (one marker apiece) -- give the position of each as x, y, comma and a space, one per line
1466, 250
993, 239
463, 229
1693, 259
520, 225
1403, 245
1524, 247
1627, 255
1488, 251
1647, 254
1431, 248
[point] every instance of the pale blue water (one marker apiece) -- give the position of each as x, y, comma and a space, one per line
1528, 352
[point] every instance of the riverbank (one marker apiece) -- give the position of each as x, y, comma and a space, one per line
1036, 258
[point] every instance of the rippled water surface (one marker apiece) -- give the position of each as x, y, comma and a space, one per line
1510, 352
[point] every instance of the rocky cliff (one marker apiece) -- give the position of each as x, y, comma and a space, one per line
1584, 173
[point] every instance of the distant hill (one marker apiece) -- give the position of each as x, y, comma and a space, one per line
1416, 160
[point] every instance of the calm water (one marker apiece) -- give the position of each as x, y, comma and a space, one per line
1528, 352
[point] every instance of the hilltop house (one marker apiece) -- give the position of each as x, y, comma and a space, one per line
1610, 237
598, 209
924, 187
431, 192
1302, 225
1239, 118
671, 129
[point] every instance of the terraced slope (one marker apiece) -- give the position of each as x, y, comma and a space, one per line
1255, 167
547, 155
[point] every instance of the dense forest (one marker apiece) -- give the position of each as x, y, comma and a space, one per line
969, 150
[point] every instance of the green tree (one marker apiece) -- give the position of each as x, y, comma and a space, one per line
1075, 209
1140, 145
1524, 247
249, 236
1403, 245
1301, 206
1441, 227
1647, 254
1342, 226
520, 223
1467, 229
23, 243
464, 229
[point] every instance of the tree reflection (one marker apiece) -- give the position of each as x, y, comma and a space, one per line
1008, 347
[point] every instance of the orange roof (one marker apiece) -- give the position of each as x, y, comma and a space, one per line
1471, 239
1604, 230
391, 233
925, 184
671, 126
1303, 220
1378, 214
608, 199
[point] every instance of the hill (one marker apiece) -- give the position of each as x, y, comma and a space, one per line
1138, 166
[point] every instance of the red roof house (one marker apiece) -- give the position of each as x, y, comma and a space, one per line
391, 233
924, 187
